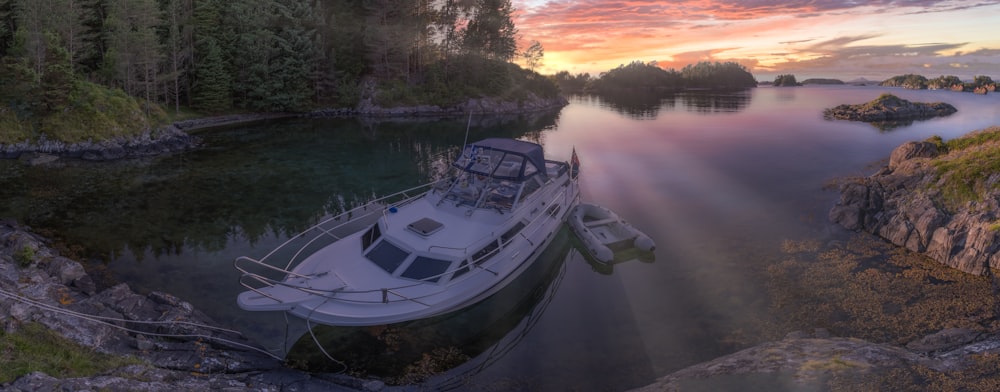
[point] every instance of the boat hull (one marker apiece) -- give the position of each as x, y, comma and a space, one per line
313, 311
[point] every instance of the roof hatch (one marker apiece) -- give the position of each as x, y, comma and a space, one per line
425, 226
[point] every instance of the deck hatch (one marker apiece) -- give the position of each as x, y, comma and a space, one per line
425, 226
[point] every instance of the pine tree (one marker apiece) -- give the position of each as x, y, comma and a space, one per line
533, 55
57, 81
18, 81
177, 40
132, 41
8, 25
293, 58
211, 90
94, 37
491, 32
250, 43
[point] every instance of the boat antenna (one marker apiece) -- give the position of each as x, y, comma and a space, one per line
467, 126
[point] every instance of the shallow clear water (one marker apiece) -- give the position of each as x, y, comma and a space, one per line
717, 180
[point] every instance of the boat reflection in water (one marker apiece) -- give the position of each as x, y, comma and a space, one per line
465, 341
622, 256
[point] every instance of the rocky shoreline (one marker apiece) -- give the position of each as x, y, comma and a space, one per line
164, 140
179, 347
175, 138
815, 361
903, 203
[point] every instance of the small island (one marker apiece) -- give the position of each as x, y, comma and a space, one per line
888, 107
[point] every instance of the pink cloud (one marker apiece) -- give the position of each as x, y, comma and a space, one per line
599, 35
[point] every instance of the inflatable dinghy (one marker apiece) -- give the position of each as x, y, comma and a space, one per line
603, 231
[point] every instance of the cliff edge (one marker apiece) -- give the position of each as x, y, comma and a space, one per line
935, 198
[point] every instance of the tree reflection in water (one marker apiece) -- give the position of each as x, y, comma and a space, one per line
647, 105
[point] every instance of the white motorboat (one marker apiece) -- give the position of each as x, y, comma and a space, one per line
603, 232
451, 244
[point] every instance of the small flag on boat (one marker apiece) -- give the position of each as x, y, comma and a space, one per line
574, 164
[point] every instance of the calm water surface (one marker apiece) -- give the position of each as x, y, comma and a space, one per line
718, 180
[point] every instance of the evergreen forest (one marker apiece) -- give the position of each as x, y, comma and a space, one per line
113, 57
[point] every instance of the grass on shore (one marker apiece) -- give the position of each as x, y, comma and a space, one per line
35, 348
967, 169
93, 112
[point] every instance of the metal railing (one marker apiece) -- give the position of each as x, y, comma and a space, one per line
333, 229
256, 281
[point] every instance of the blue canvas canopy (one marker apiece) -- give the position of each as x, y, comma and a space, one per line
508, 159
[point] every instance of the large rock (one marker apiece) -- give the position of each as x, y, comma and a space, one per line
901, 203
181, 347
889, 107
804, 362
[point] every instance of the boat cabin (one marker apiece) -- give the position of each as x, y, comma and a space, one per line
497, 174
492, 174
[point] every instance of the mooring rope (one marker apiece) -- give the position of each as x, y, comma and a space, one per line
319, 345
108, 321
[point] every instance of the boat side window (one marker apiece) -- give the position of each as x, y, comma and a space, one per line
506, 237
555, 169
485, 253
387, 256
370, 236
510, 167
529, 169
530, 186
426, 268
462, 269
485, 161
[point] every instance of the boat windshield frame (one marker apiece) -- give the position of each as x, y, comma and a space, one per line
493, 174
503, 159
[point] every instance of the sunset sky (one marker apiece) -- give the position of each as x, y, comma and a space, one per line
808, 38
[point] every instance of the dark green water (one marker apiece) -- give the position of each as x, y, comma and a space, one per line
717, 180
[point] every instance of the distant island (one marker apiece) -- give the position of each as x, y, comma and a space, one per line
639, 76
980, 84
788, 80
822, 81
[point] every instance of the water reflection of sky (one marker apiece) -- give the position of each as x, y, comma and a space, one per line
718, 190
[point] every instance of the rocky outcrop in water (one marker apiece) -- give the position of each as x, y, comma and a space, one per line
889, 107
180, 347
904, 203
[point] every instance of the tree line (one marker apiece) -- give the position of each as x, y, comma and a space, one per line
256, 55
944, 82
650, 77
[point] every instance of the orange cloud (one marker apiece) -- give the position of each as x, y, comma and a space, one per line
766, 36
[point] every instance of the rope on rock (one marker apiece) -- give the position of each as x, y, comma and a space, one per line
109, 322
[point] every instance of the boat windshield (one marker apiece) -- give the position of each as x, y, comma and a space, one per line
493, 173
503, 159
482, 191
